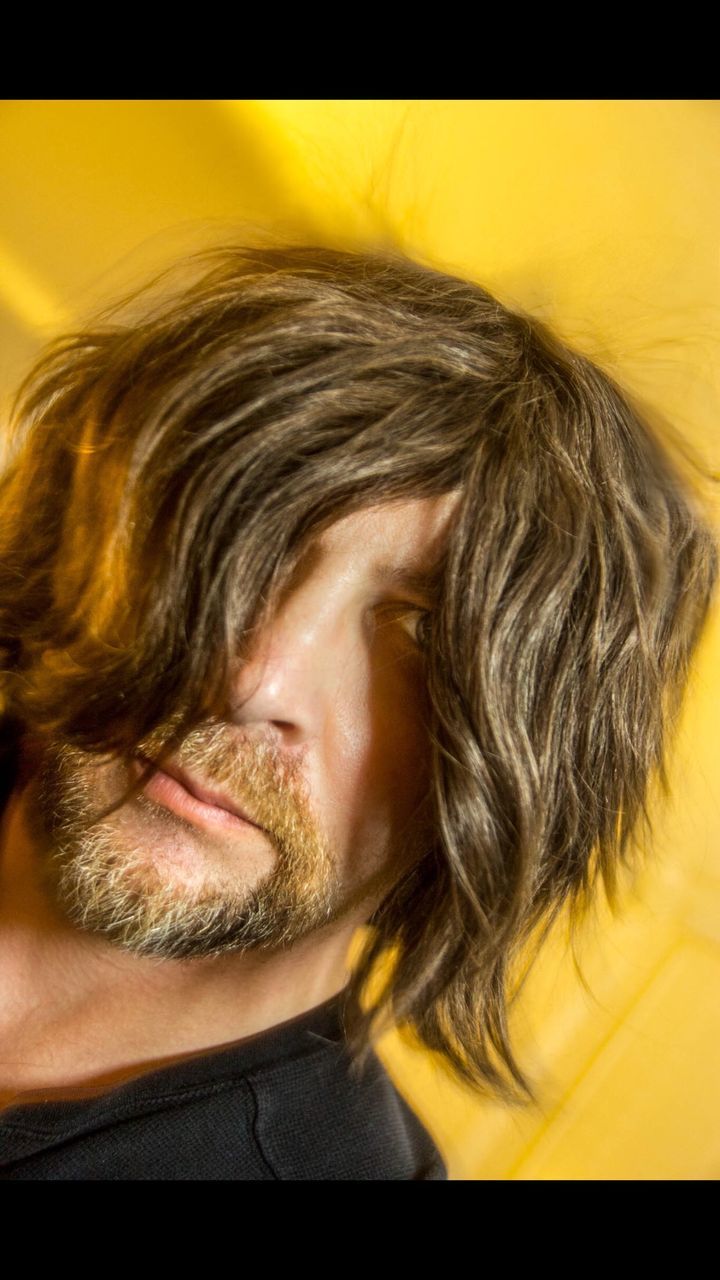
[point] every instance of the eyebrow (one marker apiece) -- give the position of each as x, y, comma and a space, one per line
420, 582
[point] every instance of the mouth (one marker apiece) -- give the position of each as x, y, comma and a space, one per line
176, 789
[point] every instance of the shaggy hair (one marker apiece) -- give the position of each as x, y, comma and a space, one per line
166, 472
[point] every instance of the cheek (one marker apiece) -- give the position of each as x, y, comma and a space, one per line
377, 749
402, 732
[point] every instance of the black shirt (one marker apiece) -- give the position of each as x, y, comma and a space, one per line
277, 1105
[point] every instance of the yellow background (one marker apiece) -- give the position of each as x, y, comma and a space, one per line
601, 218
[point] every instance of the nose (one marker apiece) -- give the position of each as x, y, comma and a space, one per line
301, 666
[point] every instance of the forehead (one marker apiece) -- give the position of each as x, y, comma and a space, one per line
399, 544
411, 532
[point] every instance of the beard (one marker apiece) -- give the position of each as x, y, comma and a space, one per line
118, 865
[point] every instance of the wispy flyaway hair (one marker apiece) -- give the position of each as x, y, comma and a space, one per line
166, 471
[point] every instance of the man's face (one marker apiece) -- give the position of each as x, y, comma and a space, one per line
325, 748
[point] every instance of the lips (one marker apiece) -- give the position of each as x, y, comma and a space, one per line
201, 793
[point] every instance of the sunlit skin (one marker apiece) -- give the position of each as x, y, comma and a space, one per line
148, 935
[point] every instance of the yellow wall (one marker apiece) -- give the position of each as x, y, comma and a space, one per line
601, 218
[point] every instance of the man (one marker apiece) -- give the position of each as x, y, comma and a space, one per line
318, 612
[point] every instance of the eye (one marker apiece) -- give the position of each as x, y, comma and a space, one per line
414, 619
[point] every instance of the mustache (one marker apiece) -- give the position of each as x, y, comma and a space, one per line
250, 776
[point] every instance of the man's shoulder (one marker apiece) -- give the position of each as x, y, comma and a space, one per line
315, 1119
284, 1105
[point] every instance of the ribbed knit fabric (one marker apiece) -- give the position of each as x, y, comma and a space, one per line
277, 1105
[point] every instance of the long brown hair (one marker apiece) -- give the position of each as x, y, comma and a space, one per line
165, 471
